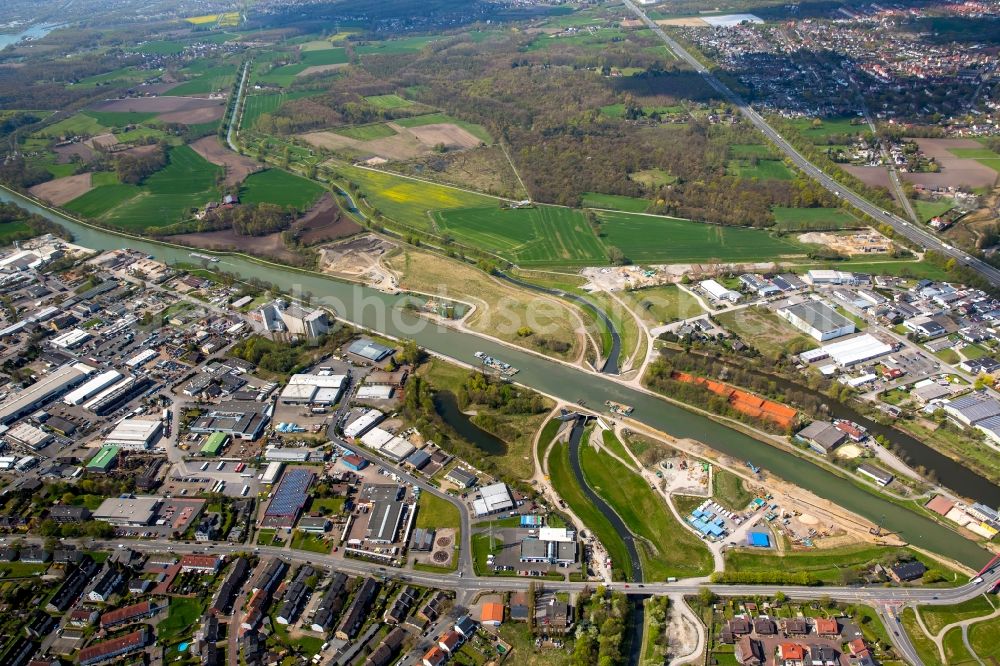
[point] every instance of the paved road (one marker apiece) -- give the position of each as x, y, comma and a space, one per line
234, 118
917, 235
889, 614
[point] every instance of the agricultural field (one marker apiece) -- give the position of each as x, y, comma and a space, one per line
280, 187
120, 118
366, 132
614, 202
395, 46
652, 178
80, 124
256, 105
812, 219
215, 79
644, 238
475, 130
408, 201
594, 38
166, 197
541, 235
665, 548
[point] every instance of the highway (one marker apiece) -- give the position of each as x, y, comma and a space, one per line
915, 234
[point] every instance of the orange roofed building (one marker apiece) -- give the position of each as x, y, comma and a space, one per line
744, 402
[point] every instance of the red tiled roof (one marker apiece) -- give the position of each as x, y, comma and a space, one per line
791, 651
134, 640
199, 562
125, 614
826, 626
940, 505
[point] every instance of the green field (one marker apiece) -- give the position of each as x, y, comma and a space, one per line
828, 127
744, 150
541, 235
388, 101
436, 513
11, 231
806, 219
665, 547
600, 39
475, 130
927, 210
983, 637
938, 617
645, 238
331, 56
569, 490
728, 490
162, 47
211, 80
100, 200
407, 201
166, 197
123, 75
80, 124
974, 153
366, 132
280, 187
823, 566
762, 170
614, 202
314, 543
182, 613
395, 46
658, 305
255, 105
651, 178
618, 110
120, 118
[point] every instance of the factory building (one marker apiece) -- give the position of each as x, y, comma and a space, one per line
817, 319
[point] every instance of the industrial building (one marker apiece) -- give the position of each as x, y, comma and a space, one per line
822, 436
70, 339
551, 546
855, 350
104, 460
386, 514
817, 319
92, 387
32, 437
288, 499
275, 454
972, 408
134, 434
213, 445
272, 472
369, 350
493, 499
240, 419
47, 388
823, 276
128, 511
718, 291
313, 390
281, 317
363, 423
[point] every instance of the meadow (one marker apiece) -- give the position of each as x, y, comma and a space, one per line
395, 46
618, 110
614, 202
926, 210
388, 101
651, 178
665, 548
828, 127
761, 169
366, 132
280, 187
408, 201
80, 124
120, 118
646, 238
100, 200
210, 80
541, 235
806, 219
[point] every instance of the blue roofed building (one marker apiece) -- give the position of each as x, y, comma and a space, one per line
289, 498
370, 350
758, 540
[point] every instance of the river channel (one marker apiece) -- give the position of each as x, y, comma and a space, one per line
381, 312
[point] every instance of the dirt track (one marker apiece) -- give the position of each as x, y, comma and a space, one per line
63, 190
237, 166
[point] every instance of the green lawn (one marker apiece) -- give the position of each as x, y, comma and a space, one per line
955, 653
564, 483
659, 305
331, 56
745, 150
311, 542
266, 537
938, 617
280, 187
983, 638
541, 235
475, 130
407, 201
928, 209
924, 646
613, 444
169, 195
614, 202
436, 512
761, 170
388, 101
182, 613
645, 238
974, 153
162, 47
366, 132
806, 219
211, 80
651, 178
80, 124
666, 548
829, 127
729, 492
820, 566
328, 506
395, 46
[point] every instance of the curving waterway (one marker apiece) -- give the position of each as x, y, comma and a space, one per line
383, 313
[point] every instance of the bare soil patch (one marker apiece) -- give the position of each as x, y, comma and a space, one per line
319, 69
138, 150
686, 22
872, 176
63, 190
324, 222
452, 136
955, 171
237, 166
184, 110
65, 153
361, 258
270, 246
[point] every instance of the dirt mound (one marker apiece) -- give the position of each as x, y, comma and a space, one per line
63, 190
443, 542
237, 166
440, 556
324, 222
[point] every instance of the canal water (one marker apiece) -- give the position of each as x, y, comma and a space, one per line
950, 473
446, 405
380, 312
36, 31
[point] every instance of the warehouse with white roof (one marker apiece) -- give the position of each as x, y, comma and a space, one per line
718, 291
363, 423
47, 388
134, 434
92, 387
313, 389
858, 349
493, 499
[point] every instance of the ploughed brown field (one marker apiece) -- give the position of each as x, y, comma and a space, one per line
324, 222
62, 190
184, 110
237, 166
